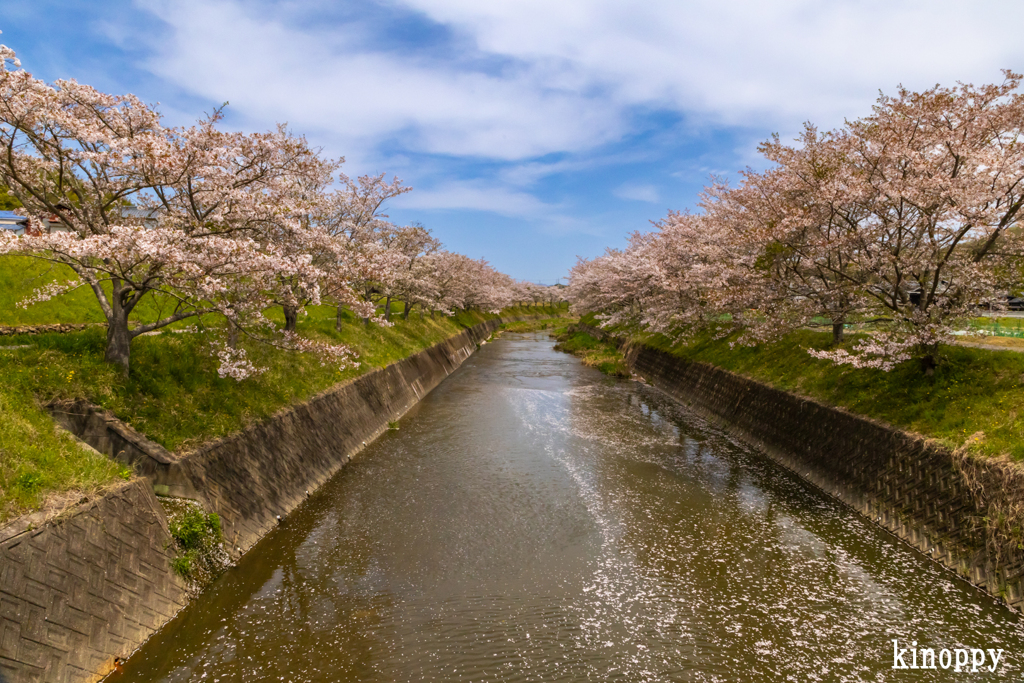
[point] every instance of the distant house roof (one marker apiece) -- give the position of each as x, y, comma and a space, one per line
134, 212
12, 221
148, 216
9, 220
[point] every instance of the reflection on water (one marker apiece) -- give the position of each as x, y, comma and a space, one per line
535, 521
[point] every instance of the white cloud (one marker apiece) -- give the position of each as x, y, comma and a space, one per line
496, 198
750, 61
477, 196
572, 75
639, 193
579, 67
223, 50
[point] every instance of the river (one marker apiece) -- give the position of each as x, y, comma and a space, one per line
533, 520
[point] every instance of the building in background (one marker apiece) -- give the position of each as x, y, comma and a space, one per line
13, 222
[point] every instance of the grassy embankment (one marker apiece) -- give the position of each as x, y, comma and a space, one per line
975, 397
173, 393
553, 325
593, 352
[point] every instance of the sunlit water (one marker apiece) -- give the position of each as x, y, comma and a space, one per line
532, 520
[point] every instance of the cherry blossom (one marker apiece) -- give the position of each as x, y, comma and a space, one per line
905, 218
223, 225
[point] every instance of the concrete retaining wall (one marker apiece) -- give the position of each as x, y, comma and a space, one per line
910, 486
96, 583
103, 431
84, 589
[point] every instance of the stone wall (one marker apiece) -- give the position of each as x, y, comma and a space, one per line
82, 590
911, 487
96, 583
8, 330
100, 429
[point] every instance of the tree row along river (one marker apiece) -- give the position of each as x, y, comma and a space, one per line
533, 520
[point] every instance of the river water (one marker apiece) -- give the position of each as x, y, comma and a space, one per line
533, 520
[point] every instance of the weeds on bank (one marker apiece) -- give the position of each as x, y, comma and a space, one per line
198, 542
593, 352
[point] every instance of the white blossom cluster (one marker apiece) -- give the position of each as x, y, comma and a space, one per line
226, 225
907, 219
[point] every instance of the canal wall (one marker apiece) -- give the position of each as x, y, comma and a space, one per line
83, 589
946, 505
94, 584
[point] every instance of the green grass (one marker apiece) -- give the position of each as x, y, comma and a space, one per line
555, 325
594, 353
172, 394
972, 391
20, 276
36, 460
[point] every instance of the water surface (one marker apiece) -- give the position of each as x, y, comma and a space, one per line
532, 520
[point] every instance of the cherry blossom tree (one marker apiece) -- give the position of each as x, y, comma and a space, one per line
937, 179
618, 285
908, 217
799, 222
449, 278
221, 201
690, 274
486, 288
410, 277
360, 262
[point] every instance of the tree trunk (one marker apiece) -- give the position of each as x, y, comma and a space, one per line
291, 318
929, 358
118, 341
387, 309
337, 320
232, 335
368, 298
405, 311
837, 333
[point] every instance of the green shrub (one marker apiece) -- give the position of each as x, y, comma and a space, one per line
593, 352
29, 482
195, 529
197, 538
184, 564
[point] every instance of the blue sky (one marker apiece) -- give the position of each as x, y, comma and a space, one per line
532, 131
